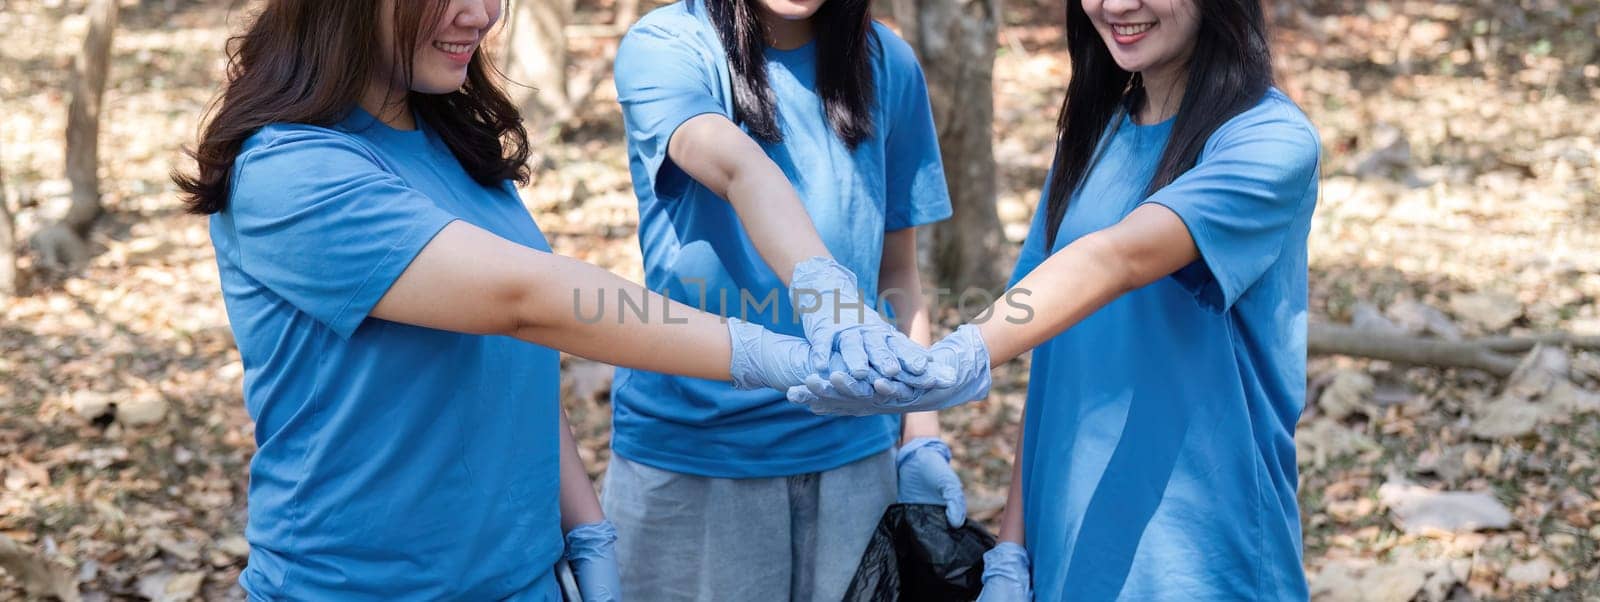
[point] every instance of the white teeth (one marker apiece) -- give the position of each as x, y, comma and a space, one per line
453, 48
1129, 30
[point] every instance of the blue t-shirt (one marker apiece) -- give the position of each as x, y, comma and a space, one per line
1158, 456
670, 67
394, 462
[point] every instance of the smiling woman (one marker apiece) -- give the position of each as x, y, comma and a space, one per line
398, 314
1168, 269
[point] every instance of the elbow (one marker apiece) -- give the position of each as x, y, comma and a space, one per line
1121, 266
517, 308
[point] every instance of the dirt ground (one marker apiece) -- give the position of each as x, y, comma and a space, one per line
1461, 194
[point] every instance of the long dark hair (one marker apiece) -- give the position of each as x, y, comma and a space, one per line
1228, 72
844, 67
308, 61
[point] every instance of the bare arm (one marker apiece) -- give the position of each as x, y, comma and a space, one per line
1147, 245
899, 278
721, 157
1011, 527
579, 505
469, 280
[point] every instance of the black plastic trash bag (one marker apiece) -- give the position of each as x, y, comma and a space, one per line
915, 556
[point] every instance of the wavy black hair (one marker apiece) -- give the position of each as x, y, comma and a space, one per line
307, 61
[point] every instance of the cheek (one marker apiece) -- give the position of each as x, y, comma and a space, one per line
1187, 15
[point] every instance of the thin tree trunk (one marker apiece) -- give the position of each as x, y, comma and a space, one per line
956, 40
627, 13
535, 51
83, 117
64, 245
8, 242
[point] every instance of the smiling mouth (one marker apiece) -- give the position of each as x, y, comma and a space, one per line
454, 48
1131, 29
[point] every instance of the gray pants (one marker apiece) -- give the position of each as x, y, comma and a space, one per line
690, 538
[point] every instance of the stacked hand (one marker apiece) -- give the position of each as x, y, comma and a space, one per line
852, 361
846, 334
958, 372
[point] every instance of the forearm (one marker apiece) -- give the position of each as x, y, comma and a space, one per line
1067, 287
1011, 526
470, 281
774, 217
1150, 243
579, 505
721, 157
585, 315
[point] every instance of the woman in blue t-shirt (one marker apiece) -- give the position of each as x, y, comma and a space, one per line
762, 133
399, 313
1164, 287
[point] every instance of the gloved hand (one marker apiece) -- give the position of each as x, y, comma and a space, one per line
843, 325
962, 354
926, 478
1006, 574
591, 552
765, 359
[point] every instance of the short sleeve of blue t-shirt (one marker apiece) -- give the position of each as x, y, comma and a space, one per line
329, 236
663, 80
1239, 202
914, 172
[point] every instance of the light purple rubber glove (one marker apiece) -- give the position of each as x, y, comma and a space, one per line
591, 550
962, 354
1007, 576
927, 478
840, 324
762, 359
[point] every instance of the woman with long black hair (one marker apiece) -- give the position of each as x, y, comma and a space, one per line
399, 313
1165, 278
779, 148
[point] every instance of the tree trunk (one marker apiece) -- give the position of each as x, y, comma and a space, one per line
8, 243
627, 13
64, 245
83, 117
955, 40
535, 51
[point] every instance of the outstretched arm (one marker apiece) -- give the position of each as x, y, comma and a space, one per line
1147, 245
721, 157
469, 280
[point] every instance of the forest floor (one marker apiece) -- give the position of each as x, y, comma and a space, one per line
1460, 196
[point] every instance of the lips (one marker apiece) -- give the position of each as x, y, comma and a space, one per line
460, 52
1129, 33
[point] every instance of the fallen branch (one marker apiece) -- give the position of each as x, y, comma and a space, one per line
1330, 339
1527, 343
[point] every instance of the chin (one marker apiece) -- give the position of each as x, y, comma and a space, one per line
437, 85
1130, 64
794, 10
